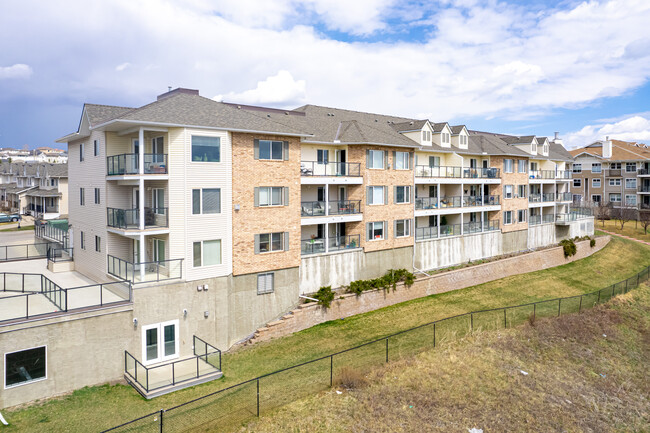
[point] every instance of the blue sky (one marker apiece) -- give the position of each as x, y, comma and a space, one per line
523, 67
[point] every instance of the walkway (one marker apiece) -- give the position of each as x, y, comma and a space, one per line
622, 236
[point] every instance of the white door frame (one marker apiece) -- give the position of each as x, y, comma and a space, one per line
160, 327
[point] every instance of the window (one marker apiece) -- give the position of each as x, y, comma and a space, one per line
270, 242
95, 147
160, 342
98, 244
271, 150
577, 198
401, 160
521, 191
630, 199
533, 147
615, 182
595, 183
97, 197
630, 183
25, 366
322, 156
630, 167
596, 198
577, 183
507, 191
615, 198
158, 250
577, 168
81, 152
206, 201
507, 165
54, 182
463, 140
507, 217
521, 166
521, 216
545, 151
158, 201
206, 149
265, 283
596, 167
376, 231
445, 137
82, 240
377, 195
402, 228
375, 158
615, 165
272, 196
82, 199
402, 194
207, 253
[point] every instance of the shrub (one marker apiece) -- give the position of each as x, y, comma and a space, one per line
325, 296
350, 378
592, 242
569, 247
388, 280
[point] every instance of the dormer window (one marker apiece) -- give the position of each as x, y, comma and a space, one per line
463, 140
426, 135
534, 147
445, 137
545, 149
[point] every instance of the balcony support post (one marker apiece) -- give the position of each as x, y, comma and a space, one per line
142, 252
327, 234
327, 199
483, 221
438, 218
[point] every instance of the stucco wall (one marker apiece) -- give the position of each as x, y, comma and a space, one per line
308, 315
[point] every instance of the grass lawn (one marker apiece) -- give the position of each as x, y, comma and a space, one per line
585, 372
107, 405
16, 229
631, 229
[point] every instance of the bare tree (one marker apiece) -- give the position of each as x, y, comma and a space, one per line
624, 213
645, 221
603, 211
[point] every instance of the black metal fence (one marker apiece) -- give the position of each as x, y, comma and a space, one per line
228, 408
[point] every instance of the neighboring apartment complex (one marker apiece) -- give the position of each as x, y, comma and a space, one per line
37, 189
613, 172
221, 215
40, 154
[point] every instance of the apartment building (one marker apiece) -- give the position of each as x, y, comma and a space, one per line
37, 189
214, 217
614, 172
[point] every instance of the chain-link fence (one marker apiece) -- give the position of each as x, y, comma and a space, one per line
226, 409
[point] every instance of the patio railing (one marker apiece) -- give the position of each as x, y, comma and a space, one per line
145, 272
456, 172
129, 163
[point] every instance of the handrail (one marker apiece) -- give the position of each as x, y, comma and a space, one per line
456, 172
129, 163
163, 270
22, 251
315, 168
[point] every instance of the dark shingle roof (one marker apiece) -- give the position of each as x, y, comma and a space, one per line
98, 114
413, 125
438, 127
457, 129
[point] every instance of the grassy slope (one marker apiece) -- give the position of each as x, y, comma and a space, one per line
631, 229
110, 405
586, 372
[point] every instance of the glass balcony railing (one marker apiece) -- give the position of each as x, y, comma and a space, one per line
546, 197
542, 174
450, 201
344, 207
129, 219
457, 172
129, 163
312, 208
424, 233
314, 168
144, 272
426, 203
335, 243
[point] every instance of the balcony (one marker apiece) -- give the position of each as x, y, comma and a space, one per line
564, 196
548, 197
336, 243
425, 233
338, 207
534, 198
643, 188
457, 172
129, 219
345, 169
613, 172
540, 219
145, 272
563, 175
542, 174
423, 203
479, 200
643, 172
574, 215
129, 164
153, 381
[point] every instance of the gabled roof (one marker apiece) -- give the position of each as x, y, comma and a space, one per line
413, 125
621, 151
438, 127
526, 139
98, 114
557, 152
458, 129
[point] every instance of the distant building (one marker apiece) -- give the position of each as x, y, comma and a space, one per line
40, 154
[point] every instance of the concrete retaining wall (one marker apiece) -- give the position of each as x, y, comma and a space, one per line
308, 315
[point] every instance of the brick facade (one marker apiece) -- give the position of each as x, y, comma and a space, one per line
513, 204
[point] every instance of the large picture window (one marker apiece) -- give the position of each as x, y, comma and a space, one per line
25, 366
206, 149
271, 150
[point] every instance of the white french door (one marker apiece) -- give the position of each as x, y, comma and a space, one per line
160, 342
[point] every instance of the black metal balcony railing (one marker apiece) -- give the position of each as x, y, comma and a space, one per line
145, 272
314, 168
422, 203
424, 233
450, 201
344, 207
129, 219
129, 163
547, 197
542, 174
457, 172
335, 243
479, 200
643, 187
643, 172
312, 208
535, 198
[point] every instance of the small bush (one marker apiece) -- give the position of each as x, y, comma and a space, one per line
531, 319
569, 247
325, 296
386, 282
350, 378
592, 242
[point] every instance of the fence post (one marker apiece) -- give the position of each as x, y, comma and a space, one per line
505, 320
434, 334
162, 411
559, 307
386, 349
580, 305
471, 315
598, 301
534, 311
331, 371
258, 398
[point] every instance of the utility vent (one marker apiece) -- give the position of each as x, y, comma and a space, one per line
178, 91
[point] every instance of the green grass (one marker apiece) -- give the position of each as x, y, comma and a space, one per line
16, 229
631, 229
107, 405
585, 372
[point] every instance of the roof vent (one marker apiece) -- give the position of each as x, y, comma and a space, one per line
177, 91
268, 115
375, 120
410, 123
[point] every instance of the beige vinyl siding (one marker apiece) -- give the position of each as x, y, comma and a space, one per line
63, 200
186, 228
91, 218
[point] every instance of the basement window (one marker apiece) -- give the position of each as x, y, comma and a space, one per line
25, 366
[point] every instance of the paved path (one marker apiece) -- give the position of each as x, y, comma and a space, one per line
623, 236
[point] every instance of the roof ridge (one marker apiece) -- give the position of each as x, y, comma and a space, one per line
355, 111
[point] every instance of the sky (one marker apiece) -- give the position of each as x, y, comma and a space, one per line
523, 67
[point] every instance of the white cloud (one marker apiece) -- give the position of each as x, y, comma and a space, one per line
633, 128
18, 70
278, 89
122, 66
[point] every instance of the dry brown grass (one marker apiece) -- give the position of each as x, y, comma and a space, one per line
586, 373
350, 378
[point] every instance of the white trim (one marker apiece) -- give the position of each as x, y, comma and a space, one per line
161, 344
4, 379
